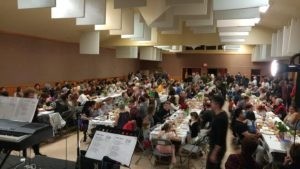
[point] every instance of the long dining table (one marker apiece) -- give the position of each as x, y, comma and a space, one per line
271, 142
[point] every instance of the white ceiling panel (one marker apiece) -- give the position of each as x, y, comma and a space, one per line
246, 13
235, 29
89, 42
68, 9
204, 29
176, 2
190, 8
95, 13
138, 28
237, 22
202, 22
129, 3
153, 10
113, 18
294, 40
130, 52
238, 4
27, 4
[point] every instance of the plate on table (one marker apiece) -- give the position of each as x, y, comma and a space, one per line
267, 132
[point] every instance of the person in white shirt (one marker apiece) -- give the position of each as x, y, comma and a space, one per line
254, 81
82, 98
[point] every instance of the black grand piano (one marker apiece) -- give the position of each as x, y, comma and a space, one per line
15, 135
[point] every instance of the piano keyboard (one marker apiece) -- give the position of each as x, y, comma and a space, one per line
12, 136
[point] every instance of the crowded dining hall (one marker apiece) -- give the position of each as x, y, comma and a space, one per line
149, 84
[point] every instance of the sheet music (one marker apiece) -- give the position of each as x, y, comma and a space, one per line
117, 147
17, 109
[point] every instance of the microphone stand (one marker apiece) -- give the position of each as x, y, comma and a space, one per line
295, 130
78, 142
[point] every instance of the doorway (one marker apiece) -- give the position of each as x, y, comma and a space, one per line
187, 72
255, 72
217, 71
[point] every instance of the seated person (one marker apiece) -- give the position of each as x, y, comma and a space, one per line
279, 108
86, 114
122, 118
292, 160
62, 105
163, 112
100, 109
194, 124
250, 116
291, 117
244, 160
168, 133
130, 125
240, 129
206, 116
109, 104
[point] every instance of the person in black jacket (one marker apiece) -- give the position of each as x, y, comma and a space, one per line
194, 124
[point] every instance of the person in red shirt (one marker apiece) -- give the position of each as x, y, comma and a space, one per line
130, 125
279, 108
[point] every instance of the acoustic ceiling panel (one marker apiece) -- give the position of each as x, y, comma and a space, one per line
68, 9
165, 20
146, 36
235, 29
153, 10
279, 43
294, 40
129, 3
89, 42
113, 18
190, 8
202, 22
95, 13
274, 45
127, 21
246, 13
204, 29
285, 43
150, 53
130, 52
27, 4
177, 2
138, 27
237, 22
238, 4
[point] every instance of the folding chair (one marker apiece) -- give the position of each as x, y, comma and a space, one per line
143, 146
68, 116
158, 155
198, 145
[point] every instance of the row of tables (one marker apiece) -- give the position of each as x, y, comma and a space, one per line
271, 142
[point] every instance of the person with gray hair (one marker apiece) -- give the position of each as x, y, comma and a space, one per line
279, 108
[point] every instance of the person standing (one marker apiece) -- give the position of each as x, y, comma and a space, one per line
217, 135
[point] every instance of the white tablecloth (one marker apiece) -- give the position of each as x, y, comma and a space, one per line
163, 97
97, 121
45, 112
114, 95
271, 142
182, 130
